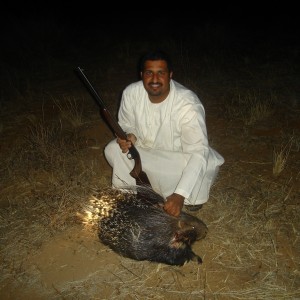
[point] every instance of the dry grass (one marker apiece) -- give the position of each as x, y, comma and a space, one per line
250, 107
251, 251
71, 109
44, 183
280, 157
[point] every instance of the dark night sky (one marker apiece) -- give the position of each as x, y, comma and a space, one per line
69, 33
249, 16
248, 21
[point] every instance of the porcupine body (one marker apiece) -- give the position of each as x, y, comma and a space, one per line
134, 225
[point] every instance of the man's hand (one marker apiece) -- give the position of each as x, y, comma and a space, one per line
174, 204
126, 144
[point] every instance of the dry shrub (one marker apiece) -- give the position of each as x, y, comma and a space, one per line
249, 107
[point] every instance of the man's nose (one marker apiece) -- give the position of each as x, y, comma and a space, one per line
154, 77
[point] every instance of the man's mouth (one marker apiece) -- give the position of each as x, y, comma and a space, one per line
155, 85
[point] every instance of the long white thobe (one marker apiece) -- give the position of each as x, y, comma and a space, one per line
172, 142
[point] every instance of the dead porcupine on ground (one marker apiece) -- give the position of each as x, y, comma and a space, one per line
132, 222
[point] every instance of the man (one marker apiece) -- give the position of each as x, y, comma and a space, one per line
166, 123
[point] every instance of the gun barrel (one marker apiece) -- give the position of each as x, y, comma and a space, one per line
90, 87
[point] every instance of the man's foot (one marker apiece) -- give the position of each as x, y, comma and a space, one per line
193, 207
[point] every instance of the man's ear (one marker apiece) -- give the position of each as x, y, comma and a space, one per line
171, 74
141, 74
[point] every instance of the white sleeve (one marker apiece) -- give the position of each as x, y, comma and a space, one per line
126, 114
194, 142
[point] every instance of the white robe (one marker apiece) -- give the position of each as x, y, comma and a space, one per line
172, 142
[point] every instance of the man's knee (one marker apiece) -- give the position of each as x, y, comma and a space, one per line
111, 150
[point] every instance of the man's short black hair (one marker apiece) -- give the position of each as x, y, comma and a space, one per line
155, 55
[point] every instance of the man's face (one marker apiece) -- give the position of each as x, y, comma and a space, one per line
156, 78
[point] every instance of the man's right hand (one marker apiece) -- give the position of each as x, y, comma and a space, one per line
126, 144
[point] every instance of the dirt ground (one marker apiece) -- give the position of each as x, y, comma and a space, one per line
52, 139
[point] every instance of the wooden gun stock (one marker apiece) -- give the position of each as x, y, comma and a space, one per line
137, 172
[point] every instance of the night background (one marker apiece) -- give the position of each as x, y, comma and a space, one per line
78, 34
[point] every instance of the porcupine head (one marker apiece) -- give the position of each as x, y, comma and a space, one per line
188, 223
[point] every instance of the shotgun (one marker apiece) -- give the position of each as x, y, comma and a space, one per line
137, 172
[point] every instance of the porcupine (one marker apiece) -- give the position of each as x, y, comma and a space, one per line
133, 224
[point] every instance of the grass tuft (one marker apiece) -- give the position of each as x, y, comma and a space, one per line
280, 157
71, 109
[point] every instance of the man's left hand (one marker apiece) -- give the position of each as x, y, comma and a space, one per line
174, 204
